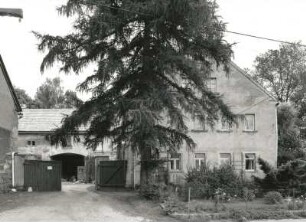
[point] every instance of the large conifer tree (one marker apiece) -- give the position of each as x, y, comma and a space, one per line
152, 60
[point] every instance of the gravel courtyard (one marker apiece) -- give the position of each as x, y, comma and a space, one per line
79, 202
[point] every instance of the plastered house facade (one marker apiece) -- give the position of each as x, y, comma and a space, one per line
254, 135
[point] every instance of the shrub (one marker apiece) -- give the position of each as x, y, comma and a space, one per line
154, 191
285, 178
273, 197
205, 182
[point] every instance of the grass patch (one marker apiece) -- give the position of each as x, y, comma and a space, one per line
236, 209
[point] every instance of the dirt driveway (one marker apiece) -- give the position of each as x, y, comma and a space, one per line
80, 202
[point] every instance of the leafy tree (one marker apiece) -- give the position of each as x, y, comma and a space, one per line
51, 95
23, 97
71, 99
289, 144
152, 62
283, 72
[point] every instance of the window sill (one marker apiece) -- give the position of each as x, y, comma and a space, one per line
249, 131
250, 171
198, 131
224, 131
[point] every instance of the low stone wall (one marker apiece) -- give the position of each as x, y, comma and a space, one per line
5, 182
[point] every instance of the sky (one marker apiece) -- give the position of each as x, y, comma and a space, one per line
278, 19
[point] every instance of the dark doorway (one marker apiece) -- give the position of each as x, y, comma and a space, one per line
70, 163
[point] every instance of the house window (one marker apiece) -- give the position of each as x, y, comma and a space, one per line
212, 84
225, 158
199, 160
31, 143
225, 124
175, 161
249, 122
250, 161
197, 125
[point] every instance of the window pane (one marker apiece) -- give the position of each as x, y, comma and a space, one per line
175, 155
250, 122
250, 161
172, 164
177, 164
33, 143
200, 155
225, 158
29, 143
212, 84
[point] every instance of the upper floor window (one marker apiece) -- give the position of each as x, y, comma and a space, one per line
225, 158
212, 84
197, 125
199, 160
31, 143
250, 161
249, 122
175, 161
225, 125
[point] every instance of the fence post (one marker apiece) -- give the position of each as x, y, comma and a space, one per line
189, 189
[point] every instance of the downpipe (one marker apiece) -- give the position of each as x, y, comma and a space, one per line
13, 171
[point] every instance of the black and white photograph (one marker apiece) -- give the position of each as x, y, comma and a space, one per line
153, 110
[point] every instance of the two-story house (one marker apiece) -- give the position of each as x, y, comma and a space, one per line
253, 135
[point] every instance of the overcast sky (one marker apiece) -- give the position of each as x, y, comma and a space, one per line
278, 19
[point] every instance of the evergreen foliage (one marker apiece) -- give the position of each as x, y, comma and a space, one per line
152, 59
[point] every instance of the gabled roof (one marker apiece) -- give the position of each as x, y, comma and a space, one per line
9, 83
260, 87
42, 120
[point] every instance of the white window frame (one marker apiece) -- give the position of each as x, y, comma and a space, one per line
221, 159
245, 159
176, 162
212, 84
225, 125
197, 126
245, 122
201, 160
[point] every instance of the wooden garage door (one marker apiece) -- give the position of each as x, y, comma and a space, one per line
42, 175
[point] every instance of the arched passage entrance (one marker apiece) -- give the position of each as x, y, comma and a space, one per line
70, 163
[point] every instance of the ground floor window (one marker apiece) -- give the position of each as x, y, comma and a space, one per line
199, 160
225, 158
250, 161
175, 161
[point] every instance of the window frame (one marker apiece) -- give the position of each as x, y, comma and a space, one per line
177, 161
245, 122
212, 87
202, 160
254, 160
230, 158
197, 126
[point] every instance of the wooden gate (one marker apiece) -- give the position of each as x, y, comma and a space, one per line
111, 173
42, 175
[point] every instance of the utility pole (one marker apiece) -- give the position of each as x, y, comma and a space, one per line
14, 12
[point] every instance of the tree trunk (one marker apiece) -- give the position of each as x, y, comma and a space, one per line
145, 168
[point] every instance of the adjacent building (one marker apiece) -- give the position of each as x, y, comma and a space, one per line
9, 111
34, 142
